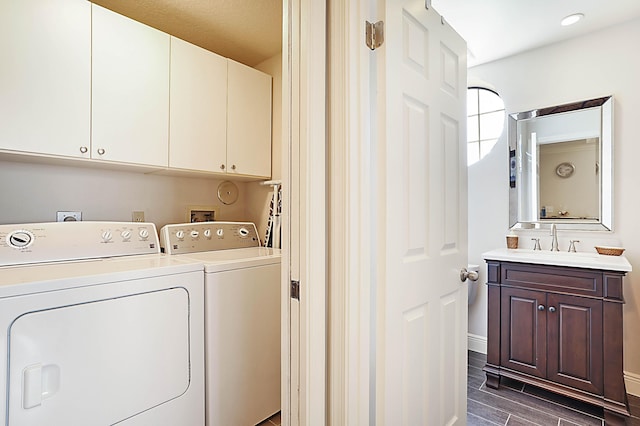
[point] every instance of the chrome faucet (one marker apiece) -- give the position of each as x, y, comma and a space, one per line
572, 245
554, 240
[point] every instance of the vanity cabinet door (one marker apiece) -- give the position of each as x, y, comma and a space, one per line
523, 334
575, 351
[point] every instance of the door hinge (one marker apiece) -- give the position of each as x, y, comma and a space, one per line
295, 290
374, 34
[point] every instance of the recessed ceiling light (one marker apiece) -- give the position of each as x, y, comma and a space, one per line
571, 19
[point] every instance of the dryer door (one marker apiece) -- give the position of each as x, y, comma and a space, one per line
99, 362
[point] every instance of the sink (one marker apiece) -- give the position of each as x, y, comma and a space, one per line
555, 258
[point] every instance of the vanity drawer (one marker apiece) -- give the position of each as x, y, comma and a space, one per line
552, 278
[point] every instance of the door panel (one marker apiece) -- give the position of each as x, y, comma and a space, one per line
423, 176
524, 331
575, 342
66, 363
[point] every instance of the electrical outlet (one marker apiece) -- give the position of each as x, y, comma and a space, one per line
68, 216
137, 216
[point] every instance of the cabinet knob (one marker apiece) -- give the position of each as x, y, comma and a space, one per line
84, 149
233, 167
552, 309
541, 307
101, 151
221, 166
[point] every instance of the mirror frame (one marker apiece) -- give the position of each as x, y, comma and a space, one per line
605, 223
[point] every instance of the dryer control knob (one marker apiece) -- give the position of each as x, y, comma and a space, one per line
194, 234
20, 239
220, 232
126, 235
207, 233
243, 232
107, 236
180, 235
143, 233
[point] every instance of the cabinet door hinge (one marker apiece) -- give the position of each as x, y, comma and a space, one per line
374, 34
295, 290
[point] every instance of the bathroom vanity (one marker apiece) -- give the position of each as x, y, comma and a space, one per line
555, 321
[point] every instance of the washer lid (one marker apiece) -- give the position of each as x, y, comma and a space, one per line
226, 260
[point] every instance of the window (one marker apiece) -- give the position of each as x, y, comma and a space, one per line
485, 111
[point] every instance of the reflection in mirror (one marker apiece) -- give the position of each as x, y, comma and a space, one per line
561, 166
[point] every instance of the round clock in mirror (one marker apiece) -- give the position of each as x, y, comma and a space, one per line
564, 170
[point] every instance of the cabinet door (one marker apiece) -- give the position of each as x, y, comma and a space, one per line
523, 338
198, 117
248, 121
45, 77
575, 353
130, 90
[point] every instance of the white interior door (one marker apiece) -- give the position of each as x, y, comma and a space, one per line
422, 308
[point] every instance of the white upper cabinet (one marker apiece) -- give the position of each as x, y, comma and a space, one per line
130, 90
198, 117
248, 121
80, 81
45, 76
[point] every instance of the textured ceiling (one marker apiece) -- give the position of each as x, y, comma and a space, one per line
248, 31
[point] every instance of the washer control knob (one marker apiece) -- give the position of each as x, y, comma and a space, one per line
143, 233
220, 232
180, 235
126, 235
207, 233
20, 239
194, 234
243, 232
107, 236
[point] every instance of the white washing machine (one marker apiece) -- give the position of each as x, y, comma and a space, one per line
116, 337
242, 311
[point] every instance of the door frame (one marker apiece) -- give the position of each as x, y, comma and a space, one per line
351, 68
304, 254
327, 130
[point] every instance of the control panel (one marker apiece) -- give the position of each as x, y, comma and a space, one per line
197, 237
66, 241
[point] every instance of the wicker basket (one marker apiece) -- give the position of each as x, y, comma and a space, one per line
609, 251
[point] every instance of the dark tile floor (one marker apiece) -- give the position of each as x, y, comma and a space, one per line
518, 404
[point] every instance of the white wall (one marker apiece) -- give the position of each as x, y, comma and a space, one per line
34, 192
260, 196
599, 64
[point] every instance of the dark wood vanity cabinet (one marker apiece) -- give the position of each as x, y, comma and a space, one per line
558, 328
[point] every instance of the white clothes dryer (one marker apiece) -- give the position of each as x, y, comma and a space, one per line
242, 312
116, 337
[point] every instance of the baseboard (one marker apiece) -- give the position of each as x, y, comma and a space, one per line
632, 383
477, 343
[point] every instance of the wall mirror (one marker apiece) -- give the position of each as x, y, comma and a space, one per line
561, 166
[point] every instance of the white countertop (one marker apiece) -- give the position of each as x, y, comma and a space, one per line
555, 258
